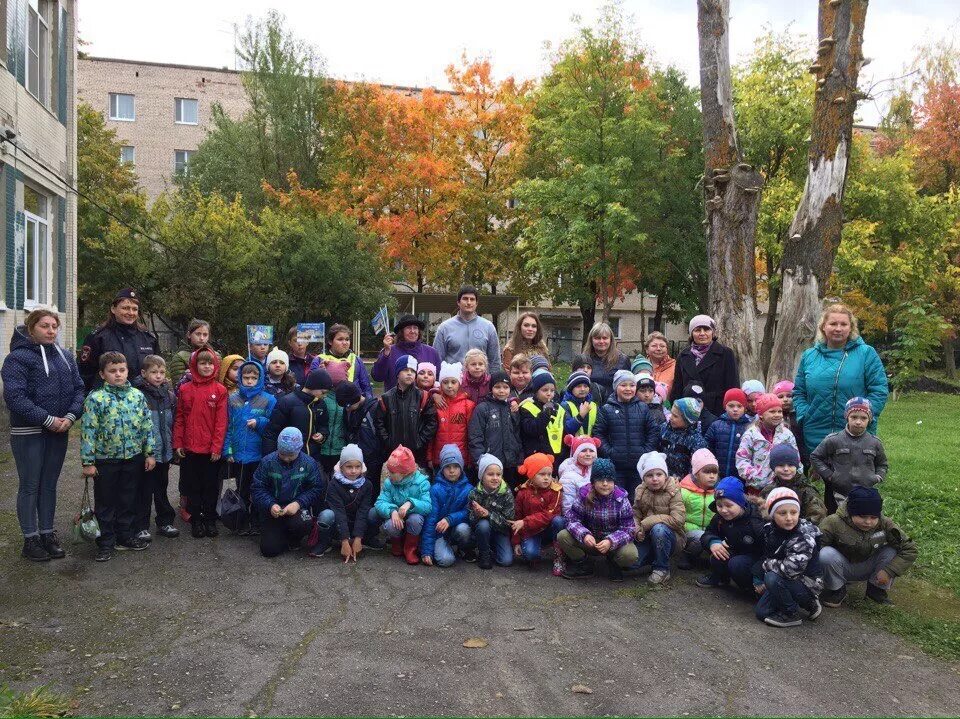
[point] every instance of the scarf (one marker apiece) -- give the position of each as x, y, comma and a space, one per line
768, 434
356, 483
699, 352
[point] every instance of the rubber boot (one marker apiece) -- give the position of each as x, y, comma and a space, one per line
411, 543
396, 547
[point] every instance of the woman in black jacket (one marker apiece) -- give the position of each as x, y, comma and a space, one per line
123, 332
712, 365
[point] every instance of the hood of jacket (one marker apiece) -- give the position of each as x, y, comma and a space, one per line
225, 364
822, 348
21, 340
573, 465
502, 489
141, 384
249, 392
195, 375
415, 476
612, 399
462, 481
744, 419
688, 483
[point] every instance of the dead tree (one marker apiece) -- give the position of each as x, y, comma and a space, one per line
811, 247
731, 193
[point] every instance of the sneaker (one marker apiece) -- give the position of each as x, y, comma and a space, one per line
144, 535
878, 594
104, 554
134, 544
317, 551
197, 530
658, 576
34, 550
51, 542
254, 531
783, 620
614, 572
814, 609
485, 561
833, 597
470, 555
683, 561
709, 581
373, 543
210, 529
169, 531
578, 570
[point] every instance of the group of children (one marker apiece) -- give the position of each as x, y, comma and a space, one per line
461, 463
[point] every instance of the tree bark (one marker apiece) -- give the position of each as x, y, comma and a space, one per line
732, 194
769, 326
658, 313
588, 313
949, 361
811, 248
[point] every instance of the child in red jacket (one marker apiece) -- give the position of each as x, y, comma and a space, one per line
198, 433
537, 508
453, 415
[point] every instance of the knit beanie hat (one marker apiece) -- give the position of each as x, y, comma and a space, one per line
781, 497
347, 393
401, 461
782, 386
351, 453
661, 391
767, 402
451, 454
703, 458
540, 379
645, 380
864, 501
539, 362
534, 463
702, 321
404, 362
427, 366
651, 461
278, 354
641, 364
337, 369
752, 386
690, 408
729, 488
603, 469
735, 395
449, 370
857, 404
622, 375
577, 378
290, 440
318, 379
784, 454
485, 461
578, 444
497, 377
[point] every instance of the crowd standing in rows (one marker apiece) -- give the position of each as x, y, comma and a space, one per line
473, 454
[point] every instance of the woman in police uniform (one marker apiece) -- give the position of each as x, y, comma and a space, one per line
123, 332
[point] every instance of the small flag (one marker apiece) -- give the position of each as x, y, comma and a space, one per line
380, 321
259, 334
311, 332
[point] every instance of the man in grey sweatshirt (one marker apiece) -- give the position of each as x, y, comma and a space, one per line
466, 330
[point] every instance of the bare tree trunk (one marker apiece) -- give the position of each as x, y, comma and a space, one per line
811, 248
658, 313
588, 312
773, 297
949, 361
732, 194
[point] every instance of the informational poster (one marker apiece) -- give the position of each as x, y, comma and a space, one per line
311, 332
260, 334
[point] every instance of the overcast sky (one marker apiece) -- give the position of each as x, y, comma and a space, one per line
410, 43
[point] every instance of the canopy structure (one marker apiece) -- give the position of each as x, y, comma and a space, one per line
446, 302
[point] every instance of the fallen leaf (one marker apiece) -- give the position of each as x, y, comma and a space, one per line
475, 643
581, 689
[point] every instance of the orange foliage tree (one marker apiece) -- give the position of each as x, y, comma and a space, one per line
937, 136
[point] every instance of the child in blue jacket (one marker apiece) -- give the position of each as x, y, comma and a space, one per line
446, 526
724, 434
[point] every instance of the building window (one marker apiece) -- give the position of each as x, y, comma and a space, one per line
37, 261
122, 107
652, 325
38, 53
127, 154
185, 111
615, 326
181, 161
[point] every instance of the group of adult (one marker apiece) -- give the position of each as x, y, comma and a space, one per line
44, 391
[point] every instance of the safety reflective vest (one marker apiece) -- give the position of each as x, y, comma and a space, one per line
574, 411
554, 426
351, 358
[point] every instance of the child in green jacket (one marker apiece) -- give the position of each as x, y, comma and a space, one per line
403, 504
696, 489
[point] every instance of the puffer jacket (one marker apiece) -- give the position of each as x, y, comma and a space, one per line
243, 443
811, 505
743, 535
163, 405
498, 503
663, 506
697, 501
40, 382
279, 482
537, 508
573, 477
403, 418
625, 430
350, 505
180, 362
200, 426
452, 423
847, 461
448, 500
303, 411
679, 446
827, 378
857, 546
753, 456
336, 427
494, 429
130, 341
607, 517
414, 488
792, 555
723, 438
116, 424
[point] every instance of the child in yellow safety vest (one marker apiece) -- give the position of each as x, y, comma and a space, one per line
341, 363
541, 420
579, 407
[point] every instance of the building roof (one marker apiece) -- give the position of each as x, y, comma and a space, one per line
439, 302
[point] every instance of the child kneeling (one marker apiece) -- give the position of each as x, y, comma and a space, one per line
599, 523
659, 513
403, 504
491, 512
734, 537
349, 501
537, 508
446, 528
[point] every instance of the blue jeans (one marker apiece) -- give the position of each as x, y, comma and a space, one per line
658, 545
782, 595
39, 459
738, 568
530, 547
413, 524
443, 553
490, 540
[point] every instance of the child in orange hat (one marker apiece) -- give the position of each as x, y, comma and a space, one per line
537, 508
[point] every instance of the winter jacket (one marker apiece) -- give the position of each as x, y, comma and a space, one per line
827, 378
603, 375
790, 420
414, 488
448, 500
846, 461
356, 374
303, 411
40, 383
716, 374
607, 517
383, 369
200, 426
857, 546
573, 423
572, 477
625, 430
336, 427
541, 427
723, 439
350, 505
537, 508
665, 372
279, 388
679, 446
279, 482
743, 534
521, 394
475, 389
498, 503
753, 456
452, 423
130, 341
163, 406
494, 429
456, 336
404, 418
663, 506
811, 505
359, 429
180, 362
792, 555
300, 366
697, 501
243, 443
116, 424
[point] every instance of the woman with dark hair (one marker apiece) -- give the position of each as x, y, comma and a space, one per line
44, 393
122, 332
340, 361
404, 340
712, 365
605, 358
527, 338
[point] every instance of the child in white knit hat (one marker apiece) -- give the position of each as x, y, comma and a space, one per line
279, 380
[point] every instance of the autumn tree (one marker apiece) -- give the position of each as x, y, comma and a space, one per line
937, 136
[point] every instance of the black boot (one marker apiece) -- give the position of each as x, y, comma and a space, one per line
210, 528
578, 570
34, 550
614, 572
485, 560
51, 542
878, 594
197, 530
